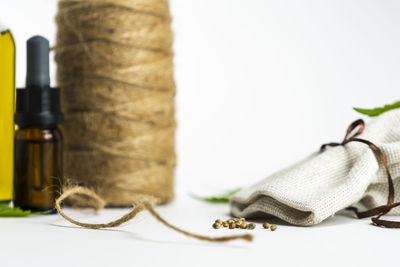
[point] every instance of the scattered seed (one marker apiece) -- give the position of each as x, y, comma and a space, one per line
236, 220
218, 221
232, 225
243, 225
225, 224
273, 227
242, 219
266, 225
251, 226
230, 221
216, 225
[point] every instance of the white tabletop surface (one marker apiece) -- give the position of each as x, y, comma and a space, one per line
49, 240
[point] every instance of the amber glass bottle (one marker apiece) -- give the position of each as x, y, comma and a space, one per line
38, 168
38, 141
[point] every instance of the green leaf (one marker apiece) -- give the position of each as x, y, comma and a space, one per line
377, 111
223, 198
6, 211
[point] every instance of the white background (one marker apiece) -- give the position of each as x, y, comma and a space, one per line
260, 84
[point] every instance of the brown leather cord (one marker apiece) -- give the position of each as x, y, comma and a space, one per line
380, 210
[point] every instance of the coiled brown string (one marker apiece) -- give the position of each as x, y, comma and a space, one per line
380, 210
145, 204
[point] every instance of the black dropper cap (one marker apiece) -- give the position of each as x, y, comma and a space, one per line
38, 105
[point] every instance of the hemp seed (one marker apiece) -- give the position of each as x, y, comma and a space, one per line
266, 225
273, 227
218, 221
232, 225
251, 226
225, 224
243, 225
216, 225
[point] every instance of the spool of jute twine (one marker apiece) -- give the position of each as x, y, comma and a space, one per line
115, 71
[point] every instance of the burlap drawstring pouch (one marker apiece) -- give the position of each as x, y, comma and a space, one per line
363, 170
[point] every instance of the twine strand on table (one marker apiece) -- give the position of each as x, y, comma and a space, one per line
147, 203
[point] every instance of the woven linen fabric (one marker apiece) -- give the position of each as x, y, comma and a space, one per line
315, 188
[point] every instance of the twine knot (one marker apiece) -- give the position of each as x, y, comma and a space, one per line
348, 138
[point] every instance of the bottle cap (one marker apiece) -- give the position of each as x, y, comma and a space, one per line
38, 105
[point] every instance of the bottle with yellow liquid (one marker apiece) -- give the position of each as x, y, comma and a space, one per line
7, 89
